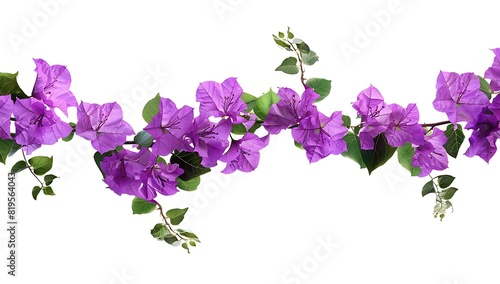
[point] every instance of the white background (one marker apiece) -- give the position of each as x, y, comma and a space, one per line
262, 226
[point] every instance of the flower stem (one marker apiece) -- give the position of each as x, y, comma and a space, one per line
169, 226
301, 64
31, 170
432, 125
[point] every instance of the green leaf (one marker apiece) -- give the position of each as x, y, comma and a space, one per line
19, 166
151, 108
171, 239
159, 231
353, 149
41, 164
189, 185
69, 137
98, 157
445, 180
380, 154
9, 85
264, 103
298, 145
449, 192
302, 46
428, 188
5, 149
238, 129
281, 43
47, 190
289, 34
192, 243
310, 58
254, 127
321, 86
190, 162
405, 158
176, 215
141, 206
281, 35
186, 247
143, 139
455, 139
35, 192
289, 66
485, 87
249, 101
189, 235
346, 121
49, 179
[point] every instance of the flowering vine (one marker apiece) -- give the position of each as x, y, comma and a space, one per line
175, 148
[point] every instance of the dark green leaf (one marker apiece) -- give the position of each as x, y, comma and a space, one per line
143, 139
289, 66
353, 149
309, 58
321, 86
281, 43
238, 129
49, 179
19, 166
176, 215
405, 158
141, 206
346, 121
449, 192
151, 108
189, 185
281, 35
302, 46
47, 190
171, 239
381, 153
190, 162
264, 103
254, 127
69, 137
5, 149
41, 164
9, 85
159, 231
455, 139
428, 188
35, 192
98, 157
485, 87
445, 180
298, 145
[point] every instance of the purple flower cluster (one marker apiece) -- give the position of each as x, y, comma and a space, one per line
36, 120
319, 135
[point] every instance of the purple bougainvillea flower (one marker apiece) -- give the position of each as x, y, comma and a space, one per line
243, 154
321, 135
52, 86
484, 136
374, 113
170, 128
123, 169
221, 100
403, 126
6, 109
102, 125
290, 109
459, 96
210, 139
431, 155
158, 177
36, 125
493, 73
